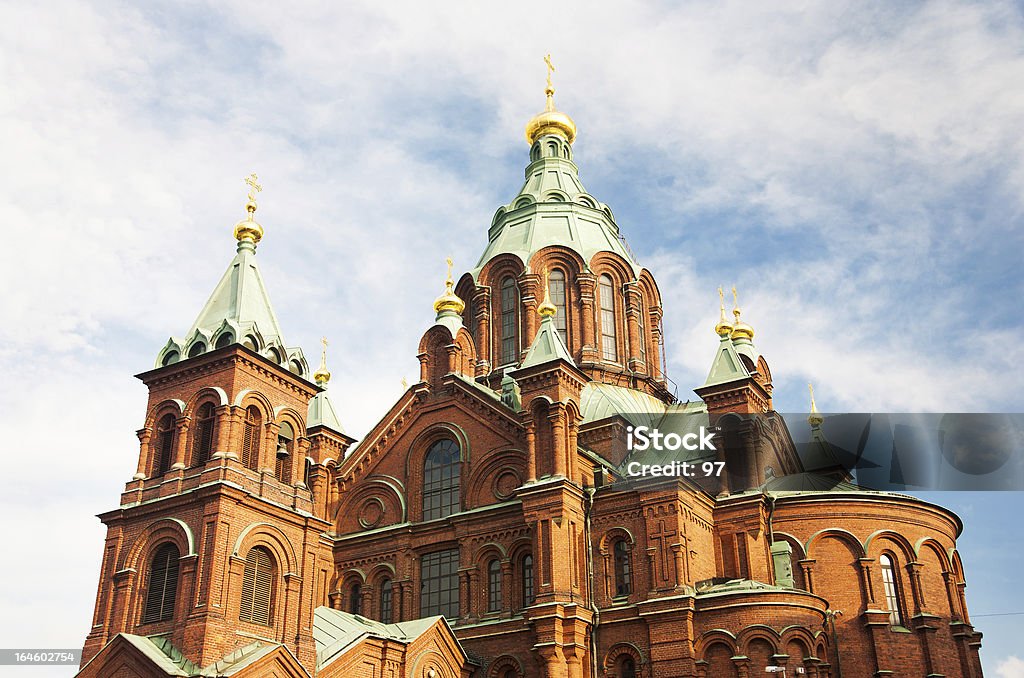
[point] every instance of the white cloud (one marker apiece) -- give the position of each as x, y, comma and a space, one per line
1010, 667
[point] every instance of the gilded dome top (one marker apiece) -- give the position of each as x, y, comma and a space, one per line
550, 120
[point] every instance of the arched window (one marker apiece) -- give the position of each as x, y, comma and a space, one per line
892, 598
441, 475
385, 601
163, 584
355, 599
494, 586
251, 438
163, 445
609, 351
556, 287
627, 667
285, 443
224, 340
509, 321
257, 587
527, 580
623, 571
202, 439
198, 348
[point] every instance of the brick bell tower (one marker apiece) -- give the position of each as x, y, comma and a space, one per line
216, 543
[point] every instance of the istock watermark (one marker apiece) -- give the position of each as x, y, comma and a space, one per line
643, 438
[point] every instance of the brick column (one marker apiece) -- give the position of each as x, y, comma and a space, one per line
223, 433
588, 284
181, 443
145, 435
482, 308
634, 307
557, 420
529, 284
531, 450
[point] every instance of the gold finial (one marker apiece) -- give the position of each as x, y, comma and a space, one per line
546, 308
814, 418
724, 327
550, 121
322, 375
740, 329
248, 229
449, 301
550, 90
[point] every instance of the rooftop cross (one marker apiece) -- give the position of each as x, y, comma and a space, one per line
551, 69
254, 188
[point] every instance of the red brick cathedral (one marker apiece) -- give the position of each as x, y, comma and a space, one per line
488, 526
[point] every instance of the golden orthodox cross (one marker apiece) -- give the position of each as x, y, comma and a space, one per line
254, 187
551, 68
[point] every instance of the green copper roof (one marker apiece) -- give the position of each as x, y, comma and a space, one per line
335, 631
546, 346
321, 413
727, 365
553, 208
238, 312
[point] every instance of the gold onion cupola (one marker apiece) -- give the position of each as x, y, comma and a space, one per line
723, 328
449, 303
248, 231
550, 120
741, 331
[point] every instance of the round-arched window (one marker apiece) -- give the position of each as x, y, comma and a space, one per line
441, 480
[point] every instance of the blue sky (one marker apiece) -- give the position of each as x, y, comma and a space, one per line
856, 169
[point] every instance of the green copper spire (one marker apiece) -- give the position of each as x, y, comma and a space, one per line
239, 310
321, 410
547, 345
553, 207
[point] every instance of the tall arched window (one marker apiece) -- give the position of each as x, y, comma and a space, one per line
257, 587
283, 462
251, 438
202, 440
627, 667
163, 445
527, 580
609, 350
556, 287
355, 599
623, 571
892, 598
509, 321
441, 475
494, 586
386, 595
163, 584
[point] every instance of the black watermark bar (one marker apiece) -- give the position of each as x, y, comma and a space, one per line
38, 657
777, 451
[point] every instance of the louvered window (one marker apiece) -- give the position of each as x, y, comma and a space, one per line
355, 599
163, 584
203, 437
164, 445
441, 480
251, 438
257, 587
285, 443
609, 351
509, 322
556, 287
494, 586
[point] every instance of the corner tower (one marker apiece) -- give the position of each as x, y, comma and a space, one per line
608, 306
215, 545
